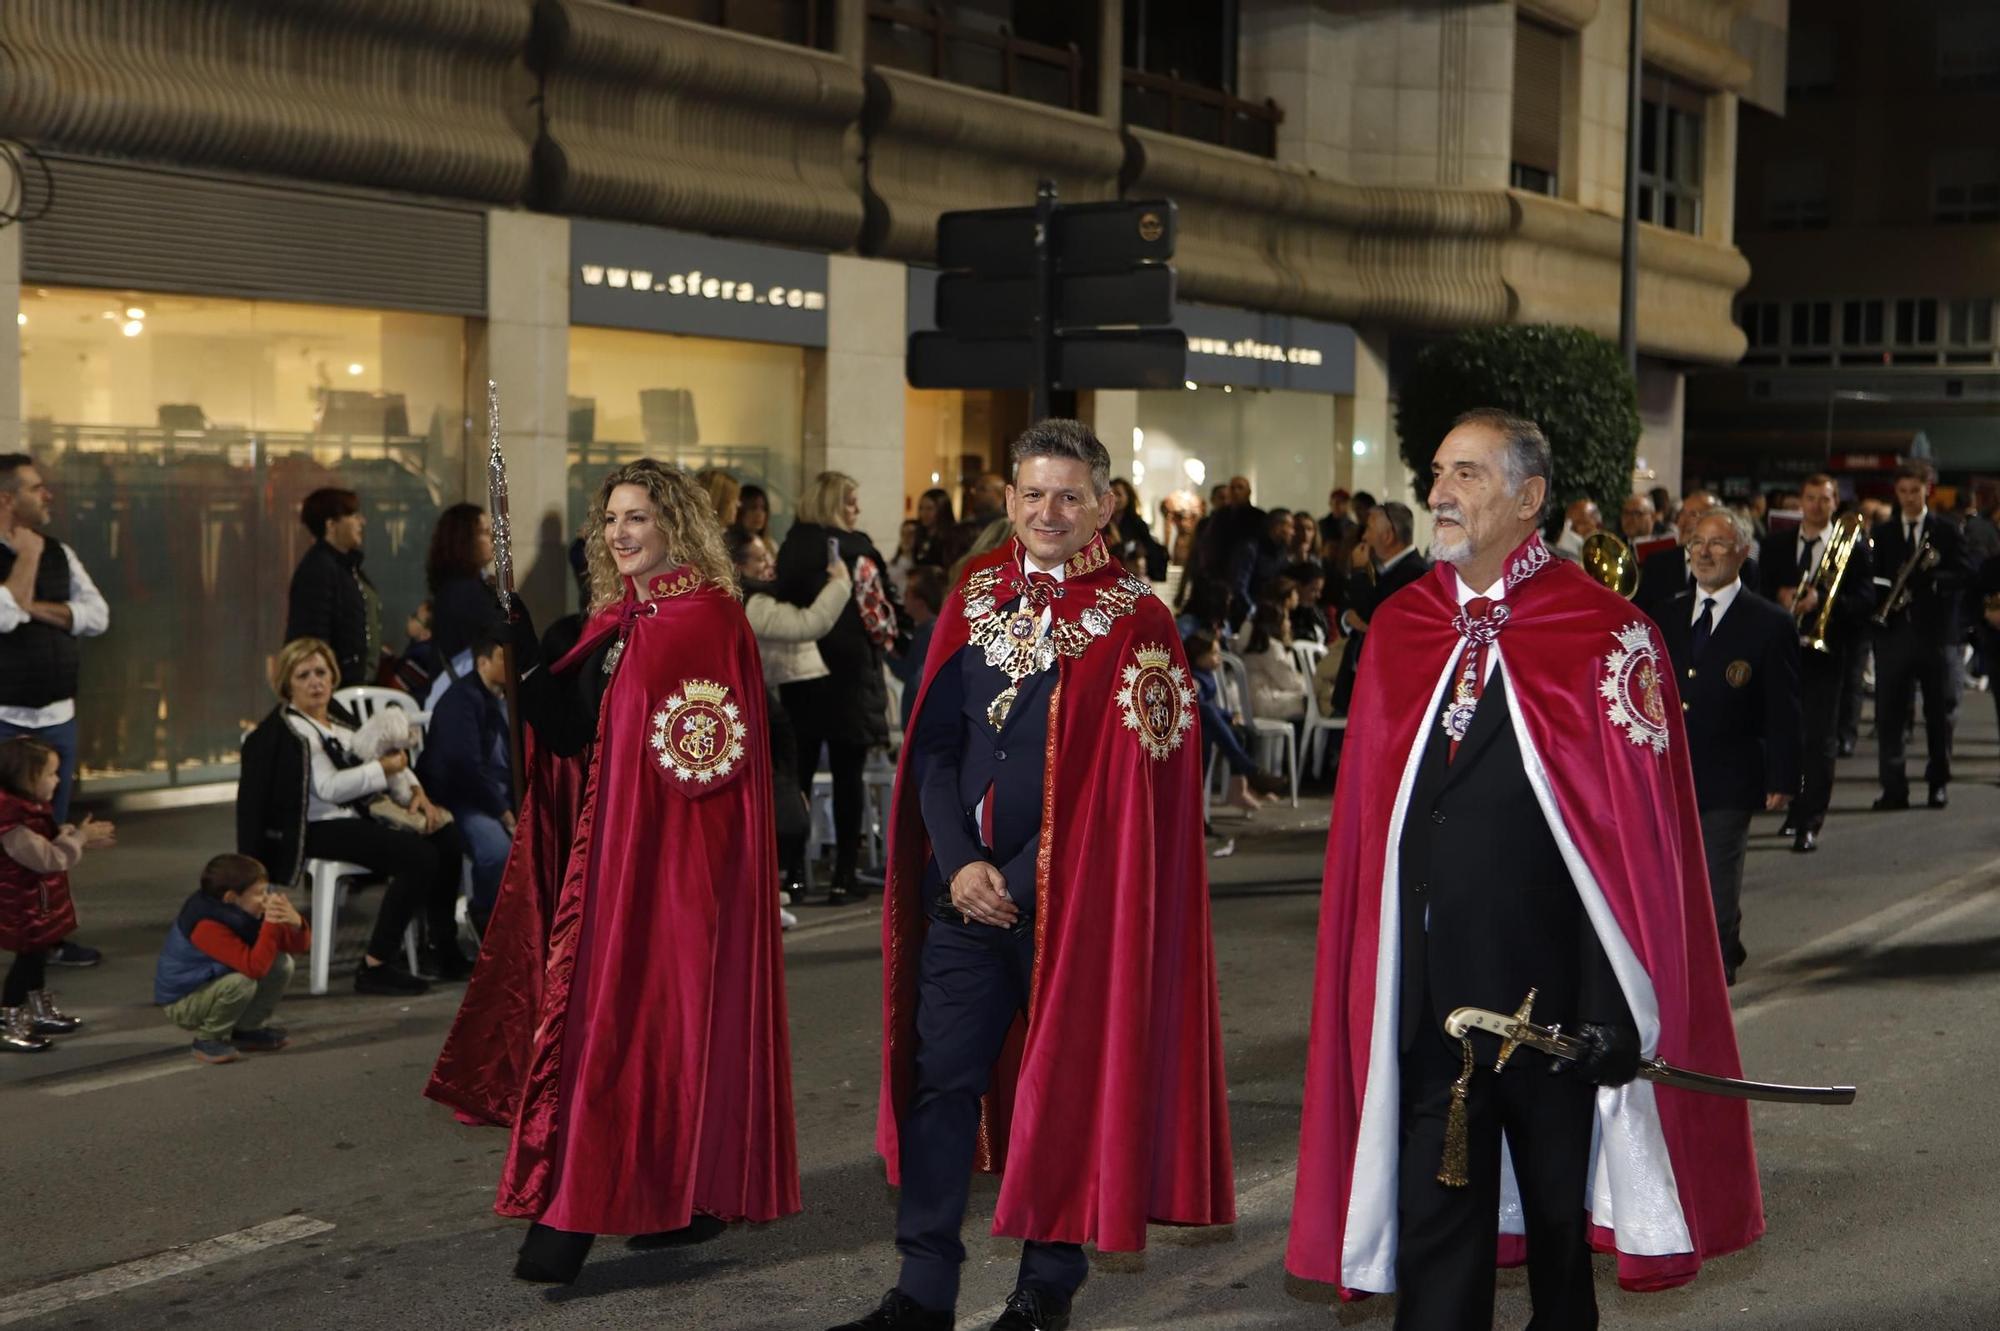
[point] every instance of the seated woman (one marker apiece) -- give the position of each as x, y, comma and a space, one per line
309, 744
1277, 689
1250, 788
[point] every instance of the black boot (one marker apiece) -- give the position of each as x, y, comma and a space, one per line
900, 1312
551, 1256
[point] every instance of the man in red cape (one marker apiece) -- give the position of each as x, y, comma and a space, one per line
1514, 810
1049, 1006
627, 1017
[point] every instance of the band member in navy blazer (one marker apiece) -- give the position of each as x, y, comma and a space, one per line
1917, 646
1737, 658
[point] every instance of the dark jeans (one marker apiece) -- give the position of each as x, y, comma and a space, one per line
62, 739
28, 973
422, 870
845, 760
1904, 662
1725, 833
972, 982
1850, 694
1216, 730
1447, 1238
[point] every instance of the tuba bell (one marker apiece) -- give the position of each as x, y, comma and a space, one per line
1611, 561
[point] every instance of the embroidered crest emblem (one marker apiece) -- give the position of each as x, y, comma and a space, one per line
698, 733
1738, 674
1158, 700
1632, 687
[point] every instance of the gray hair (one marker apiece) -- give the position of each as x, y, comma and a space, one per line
1527, 453
1739, 526
1058, 437
1402, 523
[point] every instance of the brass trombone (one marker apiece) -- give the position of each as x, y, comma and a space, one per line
1848, 532
1609, 560
1925, 557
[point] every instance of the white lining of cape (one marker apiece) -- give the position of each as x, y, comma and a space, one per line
1632, 1190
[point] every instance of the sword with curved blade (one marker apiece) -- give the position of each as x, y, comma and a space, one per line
1515, 1030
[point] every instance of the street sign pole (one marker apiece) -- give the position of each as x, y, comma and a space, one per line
1045, 302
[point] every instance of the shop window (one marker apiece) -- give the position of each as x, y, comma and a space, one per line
1541, 56
1969, 332
181, 434
1811, 339
695, 401
1965, 185
1968, 49
798, 22
1670, 152
1795, 195
1861, 332
1761, 323
1017, 48
1916, 332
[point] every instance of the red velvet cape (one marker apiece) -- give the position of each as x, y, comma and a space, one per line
1599, 724
640, 1052
1110, 1094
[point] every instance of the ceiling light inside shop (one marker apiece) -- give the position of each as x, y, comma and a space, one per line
934, 478
1227, 389
133, 328
134, 312
354, 368
20, 318
1190, 384
1196, 469
1361, 448
1138, 473
1138, 439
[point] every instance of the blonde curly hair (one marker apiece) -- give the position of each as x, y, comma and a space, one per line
684, 514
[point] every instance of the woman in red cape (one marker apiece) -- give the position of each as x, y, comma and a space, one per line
627, 1017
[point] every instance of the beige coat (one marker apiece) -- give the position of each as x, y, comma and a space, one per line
787, 634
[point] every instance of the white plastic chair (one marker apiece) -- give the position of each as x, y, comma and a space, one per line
364, 700
1270, 735
329, 888
1317, 725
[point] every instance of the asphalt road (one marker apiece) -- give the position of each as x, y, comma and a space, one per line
341, 1198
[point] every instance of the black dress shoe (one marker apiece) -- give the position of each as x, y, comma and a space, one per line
1034, 1310
1939, 797
1805, 841
1886, 803
1847, 748
700, 1229
900, 1312
551, 1256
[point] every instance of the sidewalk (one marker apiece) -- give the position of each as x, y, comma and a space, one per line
127, 896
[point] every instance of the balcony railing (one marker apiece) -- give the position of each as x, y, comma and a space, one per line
1172, 105
924, 41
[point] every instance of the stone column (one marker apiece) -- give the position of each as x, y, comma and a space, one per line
850, 31
1368, 419
524, 346
10, 338
1111, 61
862, 394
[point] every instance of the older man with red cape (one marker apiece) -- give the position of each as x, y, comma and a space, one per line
1515, 810
1049, 1005
627, 1016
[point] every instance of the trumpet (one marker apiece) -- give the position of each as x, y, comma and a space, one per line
1847, 533
1924, 558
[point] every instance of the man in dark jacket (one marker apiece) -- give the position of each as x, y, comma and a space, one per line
1916, 638
465, 768
331, 598
1737, 656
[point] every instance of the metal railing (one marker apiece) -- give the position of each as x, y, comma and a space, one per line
924, 41
799, 22
1171, 104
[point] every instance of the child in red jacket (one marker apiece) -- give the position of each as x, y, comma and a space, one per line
228, 959
35, 908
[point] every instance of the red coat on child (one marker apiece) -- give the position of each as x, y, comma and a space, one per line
35, 908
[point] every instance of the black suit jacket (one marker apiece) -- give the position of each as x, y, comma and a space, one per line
1740, 699
1663, 575
1854, 596
1365, 595
1488, 907
326, 603
1934, 593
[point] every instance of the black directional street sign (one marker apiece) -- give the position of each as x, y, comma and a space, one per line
1057, 296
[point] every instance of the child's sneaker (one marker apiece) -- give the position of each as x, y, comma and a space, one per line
215, 1051
264, 1040
17, 1034
48, 1019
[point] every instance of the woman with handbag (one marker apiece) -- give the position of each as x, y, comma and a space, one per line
361, 810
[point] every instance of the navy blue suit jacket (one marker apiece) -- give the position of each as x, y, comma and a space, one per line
1741, 700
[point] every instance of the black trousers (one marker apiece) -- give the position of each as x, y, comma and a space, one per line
422, 871
1905, 662
1725, 834
972, 982
1850, 693
1447, 1238
28, 973
806, 705
1821, 679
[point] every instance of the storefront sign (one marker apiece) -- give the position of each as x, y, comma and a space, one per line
670, 282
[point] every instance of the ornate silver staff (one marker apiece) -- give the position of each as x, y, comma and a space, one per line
496, 501
503, 572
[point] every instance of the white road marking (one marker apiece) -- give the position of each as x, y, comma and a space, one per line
173, 1262
125, 1078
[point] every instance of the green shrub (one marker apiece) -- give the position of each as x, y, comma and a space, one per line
1572, 383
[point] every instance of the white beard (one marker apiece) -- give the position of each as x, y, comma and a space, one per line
1451, 549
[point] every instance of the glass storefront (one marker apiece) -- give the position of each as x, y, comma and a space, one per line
694, 401
951, 437
180, 434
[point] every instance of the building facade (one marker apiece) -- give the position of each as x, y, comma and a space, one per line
265, 248
1870, 213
